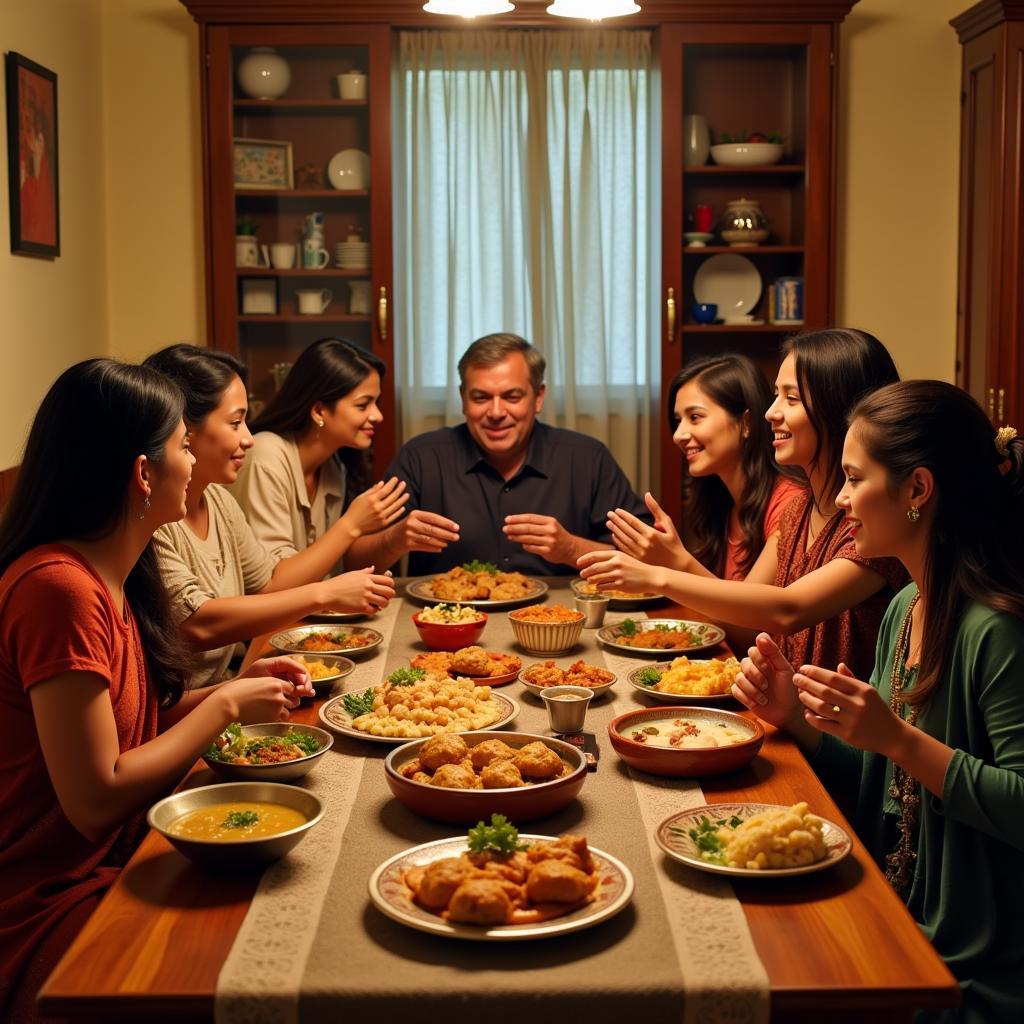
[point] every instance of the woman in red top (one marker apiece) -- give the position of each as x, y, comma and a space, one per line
734, 494
808, 587
94, 725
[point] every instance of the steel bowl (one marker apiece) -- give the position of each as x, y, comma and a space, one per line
468, 806
244, 852
340, 667
289, 641
286, 771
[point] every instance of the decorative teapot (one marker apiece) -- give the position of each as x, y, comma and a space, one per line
743, 223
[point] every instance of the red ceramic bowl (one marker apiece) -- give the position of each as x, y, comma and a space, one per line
689, 762
468, 806
444, 636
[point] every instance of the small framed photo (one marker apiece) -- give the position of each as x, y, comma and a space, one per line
262, 163
32, 157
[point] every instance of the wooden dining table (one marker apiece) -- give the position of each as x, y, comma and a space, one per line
838, 943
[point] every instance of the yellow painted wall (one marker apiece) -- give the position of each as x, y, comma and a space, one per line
54, 311
898, 179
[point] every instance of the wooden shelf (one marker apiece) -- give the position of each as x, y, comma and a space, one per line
297, 106
300, 194
301, 272
717, 170
310, 318
700, 250
740, 328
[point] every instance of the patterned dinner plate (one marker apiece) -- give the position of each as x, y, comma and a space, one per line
706, 634
391, 896
352, 641
423, 590
672, 835
334, 717
661, 667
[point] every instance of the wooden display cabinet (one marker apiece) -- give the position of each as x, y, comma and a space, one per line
774, 72
312, 118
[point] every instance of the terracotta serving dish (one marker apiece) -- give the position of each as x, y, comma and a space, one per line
468, 806
450, 636
689, 762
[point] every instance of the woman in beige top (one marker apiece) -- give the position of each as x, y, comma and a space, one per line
223, 585
311, 459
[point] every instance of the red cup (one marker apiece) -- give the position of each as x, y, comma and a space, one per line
704, 217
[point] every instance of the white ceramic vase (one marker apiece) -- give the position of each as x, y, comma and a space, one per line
264, 74
696, 141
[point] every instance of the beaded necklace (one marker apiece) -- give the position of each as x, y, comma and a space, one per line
904, 787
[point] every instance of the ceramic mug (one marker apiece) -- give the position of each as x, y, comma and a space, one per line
313, 301
352, 85
282, 255
314, 257
247, 251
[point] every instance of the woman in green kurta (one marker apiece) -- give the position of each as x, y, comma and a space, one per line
936, 738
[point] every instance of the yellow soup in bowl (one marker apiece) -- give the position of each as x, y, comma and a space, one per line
232, 822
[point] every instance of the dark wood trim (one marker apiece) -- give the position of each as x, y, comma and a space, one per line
527, 12
985, 15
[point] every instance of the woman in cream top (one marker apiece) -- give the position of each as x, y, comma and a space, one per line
312, 444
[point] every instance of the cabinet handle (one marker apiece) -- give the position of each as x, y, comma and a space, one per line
991, 403
382, 314
1002, 395
670, 315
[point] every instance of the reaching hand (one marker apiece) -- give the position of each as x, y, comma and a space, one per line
613, 570
426, 531
541, 535
842, 705
378, 506
362, 590
269, 690
655, 545
765, 684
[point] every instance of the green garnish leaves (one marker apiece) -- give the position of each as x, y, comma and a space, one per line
649, 676
477, 566
240, 819
705, 837
406, 676
500, 837
360, 703
627, 628
232, 743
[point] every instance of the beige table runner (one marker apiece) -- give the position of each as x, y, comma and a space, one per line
313, 948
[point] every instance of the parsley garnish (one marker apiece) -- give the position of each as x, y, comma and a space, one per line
627, 628
406, 676
357, 704
240, 819
500, 836
477, 566
649, 676
705, 837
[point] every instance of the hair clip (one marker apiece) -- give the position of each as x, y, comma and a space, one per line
1004, 435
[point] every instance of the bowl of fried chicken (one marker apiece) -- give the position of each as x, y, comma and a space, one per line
464, 778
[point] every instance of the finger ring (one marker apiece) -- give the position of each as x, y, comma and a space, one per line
836, 709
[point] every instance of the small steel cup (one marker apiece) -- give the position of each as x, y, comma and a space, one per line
593, 607
567, 706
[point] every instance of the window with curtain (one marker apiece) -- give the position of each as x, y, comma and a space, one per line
526, 200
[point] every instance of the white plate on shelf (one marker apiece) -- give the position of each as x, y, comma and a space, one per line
729, 281
349, 169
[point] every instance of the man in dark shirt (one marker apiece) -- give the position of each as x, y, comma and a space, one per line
501, 487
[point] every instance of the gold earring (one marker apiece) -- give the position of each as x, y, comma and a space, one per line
913, 513
319, 426
145, 508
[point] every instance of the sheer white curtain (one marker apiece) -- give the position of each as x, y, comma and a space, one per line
526, 200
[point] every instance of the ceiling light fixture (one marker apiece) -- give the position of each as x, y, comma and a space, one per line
468, 8
592, 10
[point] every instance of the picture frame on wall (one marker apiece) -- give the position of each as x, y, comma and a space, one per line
32, 157
262, 164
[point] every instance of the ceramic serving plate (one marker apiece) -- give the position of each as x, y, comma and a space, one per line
706, 633
334, 717
731, 282
290, 641
423, 590
391, 896
672, 835
661, 668
616, 598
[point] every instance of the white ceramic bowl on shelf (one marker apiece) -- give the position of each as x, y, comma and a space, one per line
746, 154
349, 169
